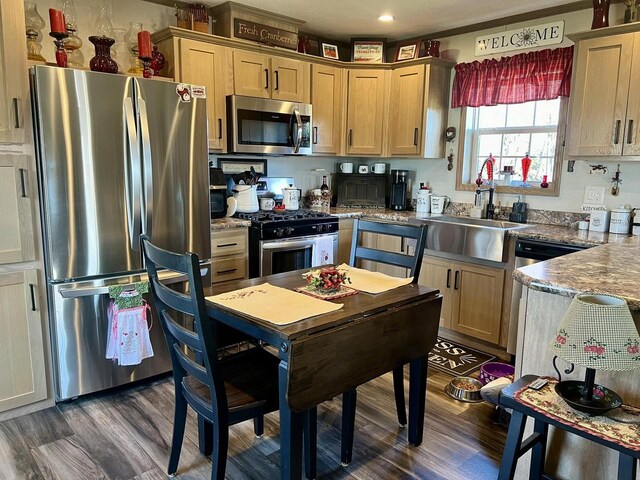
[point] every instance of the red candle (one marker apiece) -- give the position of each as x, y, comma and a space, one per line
57, 21
144, 44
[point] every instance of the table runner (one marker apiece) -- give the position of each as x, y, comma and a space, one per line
274, 304
548, 402
372, 282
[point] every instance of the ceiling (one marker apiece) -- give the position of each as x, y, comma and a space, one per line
343, 19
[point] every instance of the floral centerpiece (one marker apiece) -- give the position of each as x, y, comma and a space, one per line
328, 279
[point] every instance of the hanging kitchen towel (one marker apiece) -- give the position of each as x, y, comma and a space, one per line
128, 338
323, 251
128, 341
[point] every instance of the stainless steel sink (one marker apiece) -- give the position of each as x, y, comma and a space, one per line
469, 237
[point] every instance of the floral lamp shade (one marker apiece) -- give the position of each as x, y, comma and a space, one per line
598, 332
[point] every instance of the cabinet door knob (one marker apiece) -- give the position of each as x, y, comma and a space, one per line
455, 280
277, 80
219, 129
23, 183
415, 136
266, 79
32, 289
448, 278
350, 137
315, 135
630, 132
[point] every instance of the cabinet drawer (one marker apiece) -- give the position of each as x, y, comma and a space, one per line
233, 268
232, 242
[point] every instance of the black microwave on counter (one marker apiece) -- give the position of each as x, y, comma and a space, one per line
360, 190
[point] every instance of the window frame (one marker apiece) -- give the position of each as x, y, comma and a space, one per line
465, 163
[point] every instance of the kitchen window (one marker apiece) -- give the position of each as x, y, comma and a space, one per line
509, 132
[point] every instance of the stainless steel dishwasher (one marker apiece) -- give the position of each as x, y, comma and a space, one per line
529, 252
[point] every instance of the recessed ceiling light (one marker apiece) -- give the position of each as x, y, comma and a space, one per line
386, 18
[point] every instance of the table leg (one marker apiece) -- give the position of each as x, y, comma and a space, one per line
290, 431
627, 467
512, 446
417, 399
539, 450
349, 400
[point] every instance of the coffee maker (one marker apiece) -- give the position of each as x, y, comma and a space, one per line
398, 196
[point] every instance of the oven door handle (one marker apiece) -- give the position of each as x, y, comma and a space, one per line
288, 245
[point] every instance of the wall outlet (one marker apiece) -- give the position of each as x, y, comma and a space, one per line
594, 195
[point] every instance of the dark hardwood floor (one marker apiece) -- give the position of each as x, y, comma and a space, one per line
127, 435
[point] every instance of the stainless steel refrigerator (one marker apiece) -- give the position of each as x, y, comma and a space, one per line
118, 156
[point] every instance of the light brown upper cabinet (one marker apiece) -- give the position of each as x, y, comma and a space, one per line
14, 86
265, 76
605, 102
16, 221
366, 111
205, 64
418, 108
326, 98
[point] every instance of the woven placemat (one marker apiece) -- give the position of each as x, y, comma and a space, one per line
616, 427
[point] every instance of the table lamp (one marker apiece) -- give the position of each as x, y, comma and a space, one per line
598, 333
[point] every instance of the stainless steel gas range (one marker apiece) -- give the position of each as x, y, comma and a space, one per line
290, 240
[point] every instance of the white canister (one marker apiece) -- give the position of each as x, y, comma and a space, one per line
620, 220
423, 201
599, 221
439, 203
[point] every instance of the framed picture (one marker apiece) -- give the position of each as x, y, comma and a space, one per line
367, 51
329, 51
407, 51
231, 166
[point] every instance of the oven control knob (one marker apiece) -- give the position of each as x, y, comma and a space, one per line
327, 227
318, 228
279, 232
289, 230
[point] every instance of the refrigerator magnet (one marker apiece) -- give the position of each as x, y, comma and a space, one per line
198, 91
184, 92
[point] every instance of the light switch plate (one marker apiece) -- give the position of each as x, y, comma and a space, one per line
594, 195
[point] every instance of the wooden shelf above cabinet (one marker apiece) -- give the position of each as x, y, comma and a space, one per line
171, 32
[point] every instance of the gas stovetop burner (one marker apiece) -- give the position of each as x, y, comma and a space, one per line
264, 216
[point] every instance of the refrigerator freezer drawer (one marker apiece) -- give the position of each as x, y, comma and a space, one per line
79, 340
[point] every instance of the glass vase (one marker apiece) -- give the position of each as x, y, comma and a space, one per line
102, 62
600, 14
131, 40
34, 24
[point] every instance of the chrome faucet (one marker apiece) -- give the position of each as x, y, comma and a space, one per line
490, 207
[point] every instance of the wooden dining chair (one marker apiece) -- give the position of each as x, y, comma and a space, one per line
223, 392
409, 259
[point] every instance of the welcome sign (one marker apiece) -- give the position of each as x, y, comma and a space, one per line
521, 38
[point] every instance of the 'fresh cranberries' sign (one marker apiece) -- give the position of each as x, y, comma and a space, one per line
521, 38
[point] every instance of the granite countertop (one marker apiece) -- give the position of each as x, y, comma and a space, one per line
613, 268
228, 222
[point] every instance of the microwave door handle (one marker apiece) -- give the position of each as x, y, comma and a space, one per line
297, 130
133, 174
148, 167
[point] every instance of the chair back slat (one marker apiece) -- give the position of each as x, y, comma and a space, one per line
183, 335
411, 262
202, 340
192, 368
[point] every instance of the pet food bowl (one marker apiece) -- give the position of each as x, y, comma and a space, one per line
465, 389
492, 370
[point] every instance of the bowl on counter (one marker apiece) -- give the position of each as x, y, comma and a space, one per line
465, 389
493, 370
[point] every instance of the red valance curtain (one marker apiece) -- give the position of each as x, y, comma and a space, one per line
539, 75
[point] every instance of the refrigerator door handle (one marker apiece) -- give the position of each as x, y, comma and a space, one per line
132, 171
166, 277
148, 167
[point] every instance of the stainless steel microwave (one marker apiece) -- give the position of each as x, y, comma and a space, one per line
259, 125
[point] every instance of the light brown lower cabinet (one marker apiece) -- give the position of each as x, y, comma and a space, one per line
22, 376
345, 236
229, 255
472, 296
